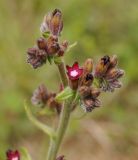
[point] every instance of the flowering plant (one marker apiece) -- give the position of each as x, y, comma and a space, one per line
80, 86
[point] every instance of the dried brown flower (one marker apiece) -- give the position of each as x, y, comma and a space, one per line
108, 74
89, 98
36, 57
40, 96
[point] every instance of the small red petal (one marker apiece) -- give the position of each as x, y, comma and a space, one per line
80, 71
75, 65
68, 67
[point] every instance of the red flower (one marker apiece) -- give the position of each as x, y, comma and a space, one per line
74, 72
13, 155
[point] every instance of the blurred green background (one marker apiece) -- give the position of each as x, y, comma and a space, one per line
100, 27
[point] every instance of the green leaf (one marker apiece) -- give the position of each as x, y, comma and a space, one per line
46, 129
24, 154
71, 46
65, 94
45, 34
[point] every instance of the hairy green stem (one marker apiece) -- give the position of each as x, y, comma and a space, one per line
63, 75
64, 118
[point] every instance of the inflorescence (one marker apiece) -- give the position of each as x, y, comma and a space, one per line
88, 80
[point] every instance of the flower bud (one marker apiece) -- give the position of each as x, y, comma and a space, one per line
95, 92
63, 48
52, 45
41, 43
56, 23
84, 91
86, 79
102, 66
88, 65
45, 26
113, 61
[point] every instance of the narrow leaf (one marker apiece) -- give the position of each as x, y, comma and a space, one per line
48, 130
71, 46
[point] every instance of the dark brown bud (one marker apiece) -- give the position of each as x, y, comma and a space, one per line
95, 92
41, 43
86, 79
102, 66
56, 23
84, 91
40, 96
52, 45
63, 48
88, 65
36, 57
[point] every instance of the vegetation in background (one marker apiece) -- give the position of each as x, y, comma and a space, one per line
100, 27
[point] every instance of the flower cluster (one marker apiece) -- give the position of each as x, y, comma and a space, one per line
48, 45
42, 97
80, 85
13, 155
108, 74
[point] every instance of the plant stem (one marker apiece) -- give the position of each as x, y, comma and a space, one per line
64, 118
63, 76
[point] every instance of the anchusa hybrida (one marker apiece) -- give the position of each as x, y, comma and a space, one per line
81, 85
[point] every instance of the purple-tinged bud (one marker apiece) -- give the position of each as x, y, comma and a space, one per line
41, 43
45, 26
88, 65
52, 23
56, 23
102, 66
36, 57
